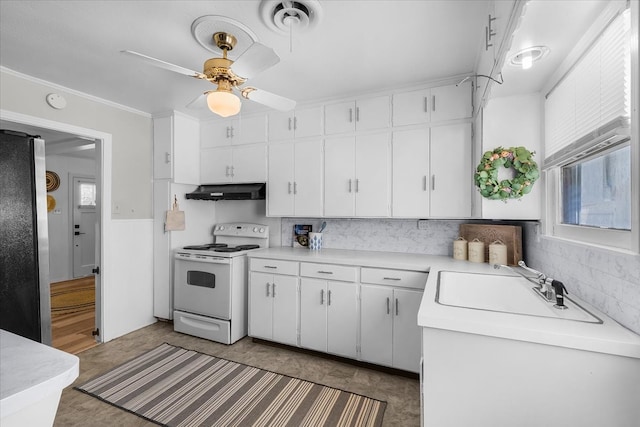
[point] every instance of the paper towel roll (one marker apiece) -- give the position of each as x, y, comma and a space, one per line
476, 251
498, 253
460, 248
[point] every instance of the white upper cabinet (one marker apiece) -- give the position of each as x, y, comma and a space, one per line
239, 130
411, 173
245, 163
360, 115
432, 105
176, 148
301, 123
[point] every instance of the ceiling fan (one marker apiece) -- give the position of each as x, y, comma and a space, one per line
222, 100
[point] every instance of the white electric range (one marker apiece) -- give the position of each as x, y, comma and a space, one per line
211, 280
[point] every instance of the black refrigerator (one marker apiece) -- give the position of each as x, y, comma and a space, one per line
25, 305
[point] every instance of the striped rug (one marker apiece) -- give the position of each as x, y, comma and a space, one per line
173, 386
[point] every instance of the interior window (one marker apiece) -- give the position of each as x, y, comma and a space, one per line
87, 194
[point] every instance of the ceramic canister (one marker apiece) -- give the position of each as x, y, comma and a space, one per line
498, 253
315, 241
460, 248
476, 251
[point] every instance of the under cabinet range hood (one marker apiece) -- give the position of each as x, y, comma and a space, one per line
253, 191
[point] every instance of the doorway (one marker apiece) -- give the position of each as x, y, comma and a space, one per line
47, 128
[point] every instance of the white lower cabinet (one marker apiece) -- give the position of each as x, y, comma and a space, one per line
273, 302
329, 316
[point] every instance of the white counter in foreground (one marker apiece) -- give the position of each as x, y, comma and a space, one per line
32, 376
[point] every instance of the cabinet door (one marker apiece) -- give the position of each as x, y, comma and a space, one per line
280, 125
308, 178
280, 182
376, 324
410, 174
410, 108
339, 176
216, 133
215, 165
372, 113
451, 178
250, 130
407, 335
451, 102
249, 163
342, 318
313, 314
186, 153
372, 175
308, 122
163, 148
339, 118
260, 305
285, 309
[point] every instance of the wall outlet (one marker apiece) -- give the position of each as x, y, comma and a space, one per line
423, 224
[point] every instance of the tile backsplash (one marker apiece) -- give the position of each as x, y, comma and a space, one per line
608, 280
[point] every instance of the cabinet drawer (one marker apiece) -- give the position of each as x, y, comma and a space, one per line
402, 278
329, 271
275, 266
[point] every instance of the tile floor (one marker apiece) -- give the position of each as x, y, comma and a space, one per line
78, 409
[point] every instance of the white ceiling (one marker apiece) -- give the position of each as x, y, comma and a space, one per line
359, 46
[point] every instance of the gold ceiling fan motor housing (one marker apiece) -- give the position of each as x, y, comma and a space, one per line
218, 70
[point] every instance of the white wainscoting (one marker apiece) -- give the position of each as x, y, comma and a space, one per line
128, 291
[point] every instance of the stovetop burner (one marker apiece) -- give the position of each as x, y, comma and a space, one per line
237, 248
206, 247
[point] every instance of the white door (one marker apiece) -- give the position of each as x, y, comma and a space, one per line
215, 165
313, 314
280, 181
285, 309
411, 108
84, 225
372, 113
340, 117
308, 122
308, 178
407, 335
411, 173
339, 176
451, 102
260, 305
376, 328
372, 183
342, 319
280, 125
249, 163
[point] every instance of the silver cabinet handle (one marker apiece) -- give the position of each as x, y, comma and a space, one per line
328, 297
424, 185
228, 132
350, 115
268, 290
273, 294
392, 278
321, 296
349, 186
426, 104
295, 187
433, 182
289, 187
397, 311
388, 305
167, 157
357, 114
295, 123
289, 123
271, 266
226, 171
357, 185
325, 272
233, 133
433, 103
232, 174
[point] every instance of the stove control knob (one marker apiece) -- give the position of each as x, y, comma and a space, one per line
262, 230
221, 228
255, 229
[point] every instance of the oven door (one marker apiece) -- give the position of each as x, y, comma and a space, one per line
203, 286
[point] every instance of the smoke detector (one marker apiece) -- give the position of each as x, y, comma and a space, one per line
282, 16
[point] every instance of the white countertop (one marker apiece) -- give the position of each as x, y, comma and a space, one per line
30, 371
608, 337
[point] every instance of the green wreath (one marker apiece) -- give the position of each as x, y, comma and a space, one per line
518, 158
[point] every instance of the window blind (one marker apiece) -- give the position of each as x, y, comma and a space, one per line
594, 94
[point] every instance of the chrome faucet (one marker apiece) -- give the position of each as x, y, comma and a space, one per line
545, 284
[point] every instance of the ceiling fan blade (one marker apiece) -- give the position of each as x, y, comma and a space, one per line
166, 65
199, 102
255, 60
269, 99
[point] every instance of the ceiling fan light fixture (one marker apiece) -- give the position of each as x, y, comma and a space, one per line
223, 102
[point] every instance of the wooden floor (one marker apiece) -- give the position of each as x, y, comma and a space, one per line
73, 314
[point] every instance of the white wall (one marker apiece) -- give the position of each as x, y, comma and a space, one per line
60, 238
253, 211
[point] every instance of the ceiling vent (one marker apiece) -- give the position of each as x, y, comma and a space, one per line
285, 16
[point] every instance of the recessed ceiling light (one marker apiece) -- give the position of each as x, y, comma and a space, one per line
526, 57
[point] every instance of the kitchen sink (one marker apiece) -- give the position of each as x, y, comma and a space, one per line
505, 294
